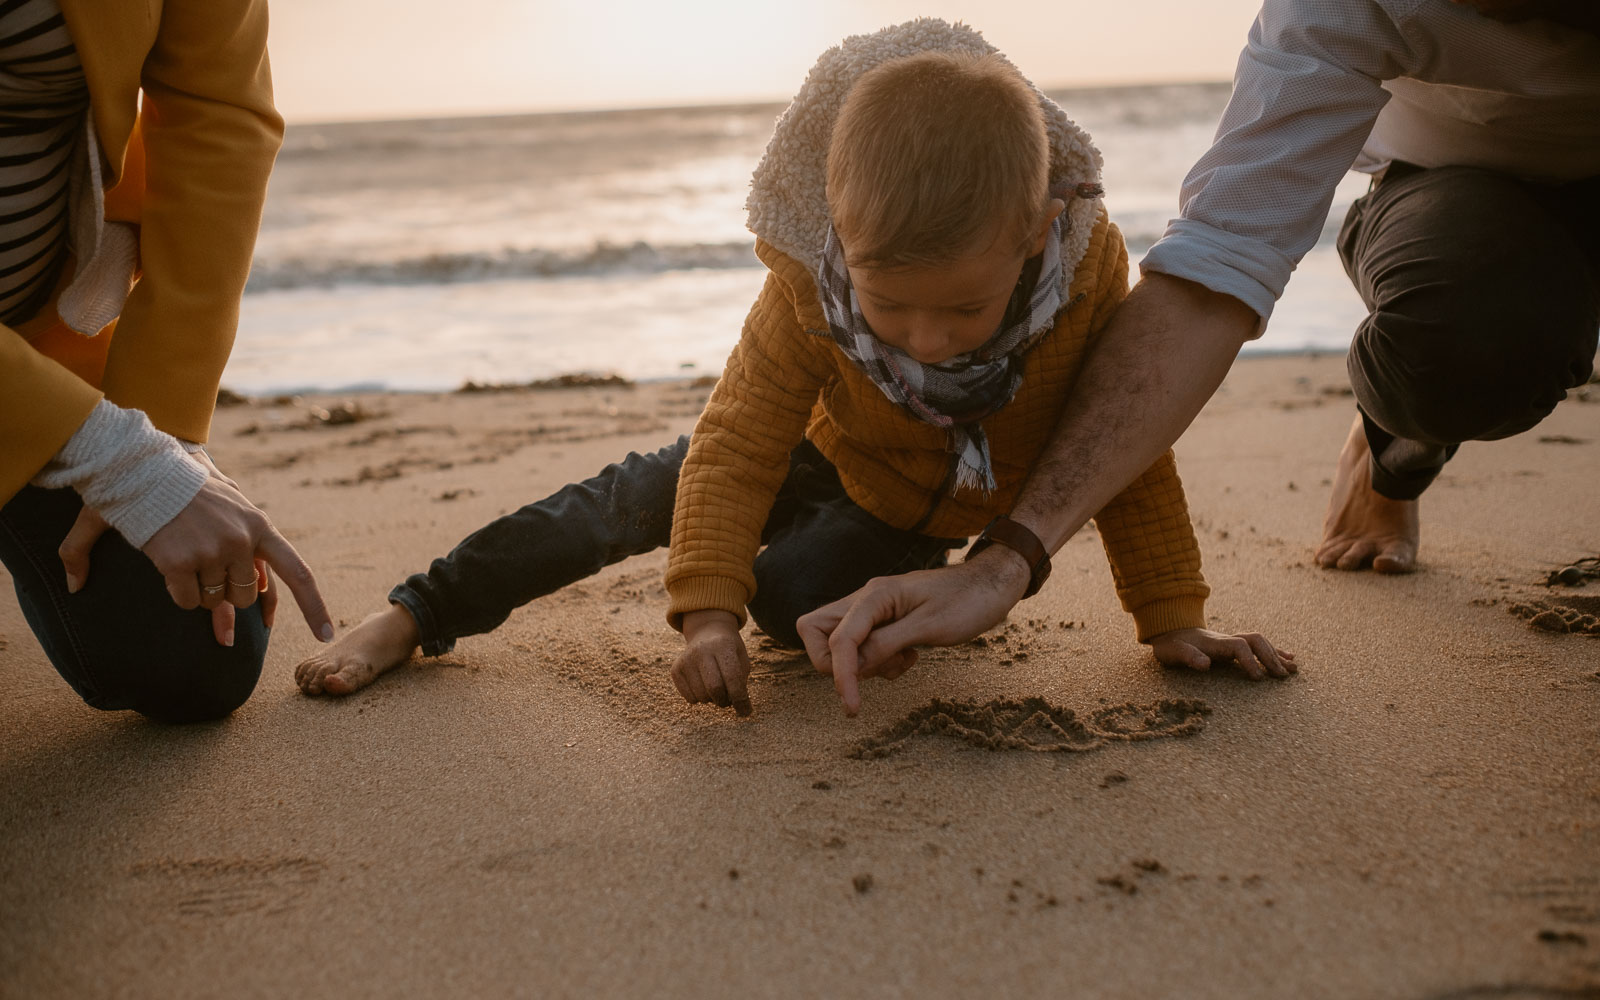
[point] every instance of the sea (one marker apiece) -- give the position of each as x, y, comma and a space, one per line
425, 254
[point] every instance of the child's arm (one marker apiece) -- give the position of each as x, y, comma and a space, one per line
713, 665
1155, 563
737, 461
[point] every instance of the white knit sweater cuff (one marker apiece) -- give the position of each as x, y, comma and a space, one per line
136, 477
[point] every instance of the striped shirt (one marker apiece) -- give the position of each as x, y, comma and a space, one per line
1326, 85
43, 101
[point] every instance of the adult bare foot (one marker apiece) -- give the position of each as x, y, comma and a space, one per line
1363, 526
382, 641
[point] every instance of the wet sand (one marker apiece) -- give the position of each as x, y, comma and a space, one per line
1415, 815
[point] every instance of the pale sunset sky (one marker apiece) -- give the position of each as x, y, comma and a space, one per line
336, 60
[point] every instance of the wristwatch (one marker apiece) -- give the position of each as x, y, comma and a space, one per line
1021, 541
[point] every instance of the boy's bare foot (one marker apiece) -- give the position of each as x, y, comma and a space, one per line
355, 660
1363, 526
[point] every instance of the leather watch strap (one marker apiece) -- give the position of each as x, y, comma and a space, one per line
1021, 541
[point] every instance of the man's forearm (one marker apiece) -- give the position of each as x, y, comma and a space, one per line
1157, 362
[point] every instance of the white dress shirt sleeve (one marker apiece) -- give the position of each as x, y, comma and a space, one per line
1306, 93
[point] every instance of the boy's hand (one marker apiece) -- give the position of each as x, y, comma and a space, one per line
1197, 648
713, 665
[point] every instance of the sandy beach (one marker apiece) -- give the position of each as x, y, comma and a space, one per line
1415, 815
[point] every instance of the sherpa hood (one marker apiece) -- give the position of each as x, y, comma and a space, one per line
788, 204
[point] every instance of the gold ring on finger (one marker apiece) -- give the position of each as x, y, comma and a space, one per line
248, 583
214, 590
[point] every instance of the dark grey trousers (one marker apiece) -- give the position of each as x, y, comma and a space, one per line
820, 546
1484, 299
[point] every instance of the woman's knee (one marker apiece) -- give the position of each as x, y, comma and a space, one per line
199, 684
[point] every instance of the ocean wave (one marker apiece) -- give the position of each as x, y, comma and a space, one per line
450, 268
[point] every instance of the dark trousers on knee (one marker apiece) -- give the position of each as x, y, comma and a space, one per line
819, 546
120, 641
1483, 293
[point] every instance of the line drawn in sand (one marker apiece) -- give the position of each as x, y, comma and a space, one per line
224, 887
1034, 724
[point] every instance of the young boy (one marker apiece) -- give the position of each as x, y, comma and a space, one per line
939, 259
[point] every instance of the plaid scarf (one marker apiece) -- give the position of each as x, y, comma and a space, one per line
958, 393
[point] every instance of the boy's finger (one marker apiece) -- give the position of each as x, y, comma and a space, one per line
681, 682
1268, 656
1192, 657
738, 694
711, 680
1240, 650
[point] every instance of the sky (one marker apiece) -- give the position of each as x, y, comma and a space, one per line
342, 60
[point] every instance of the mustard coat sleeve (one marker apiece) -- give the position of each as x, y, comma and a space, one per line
739, 456
41, 405
210, 137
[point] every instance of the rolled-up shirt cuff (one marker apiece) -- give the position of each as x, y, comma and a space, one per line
1251, 271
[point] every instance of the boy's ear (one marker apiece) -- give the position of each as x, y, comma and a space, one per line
1055, 207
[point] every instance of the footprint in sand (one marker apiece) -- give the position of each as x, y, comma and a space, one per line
1036, 725
1575, 614
223, 887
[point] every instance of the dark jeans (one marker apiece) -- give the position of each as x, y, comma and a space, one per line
120, 641
1484, 300
820, 547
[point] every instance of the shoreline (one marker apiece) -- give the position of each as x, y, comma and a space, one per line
597, 378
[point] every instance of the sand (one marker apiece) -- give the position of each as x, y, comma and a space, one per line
1415, 815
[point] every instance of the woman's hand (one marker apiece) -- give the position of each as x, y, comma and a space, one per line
1198, 648
218, 553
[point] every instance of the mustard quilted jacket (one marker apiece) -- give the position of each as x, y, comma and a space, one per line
787, 380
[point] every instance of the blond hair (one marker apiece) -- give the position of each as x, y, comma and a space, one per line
933, 157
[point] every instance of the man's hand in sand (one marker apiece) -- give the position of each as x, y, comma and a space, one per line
217, 554
874, 631
1198, 648
713, 665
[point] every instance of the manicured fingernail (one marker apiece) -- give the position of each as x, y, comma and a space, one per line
227, 638
327, 632
74, 584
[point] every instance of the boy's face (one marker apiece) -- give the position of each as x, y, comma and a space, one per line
935, 313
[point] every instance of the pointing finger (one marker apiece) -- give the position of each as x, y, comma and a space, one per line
269, 594
297, 576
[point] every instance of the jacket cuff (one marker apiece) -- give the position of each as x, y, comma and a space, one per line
1167, 614
702, 593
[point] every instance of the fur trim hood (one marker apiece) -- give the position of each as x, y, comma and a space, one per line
788, 205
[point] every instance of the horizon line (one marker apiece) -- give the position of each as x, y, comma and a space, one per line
748, 102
